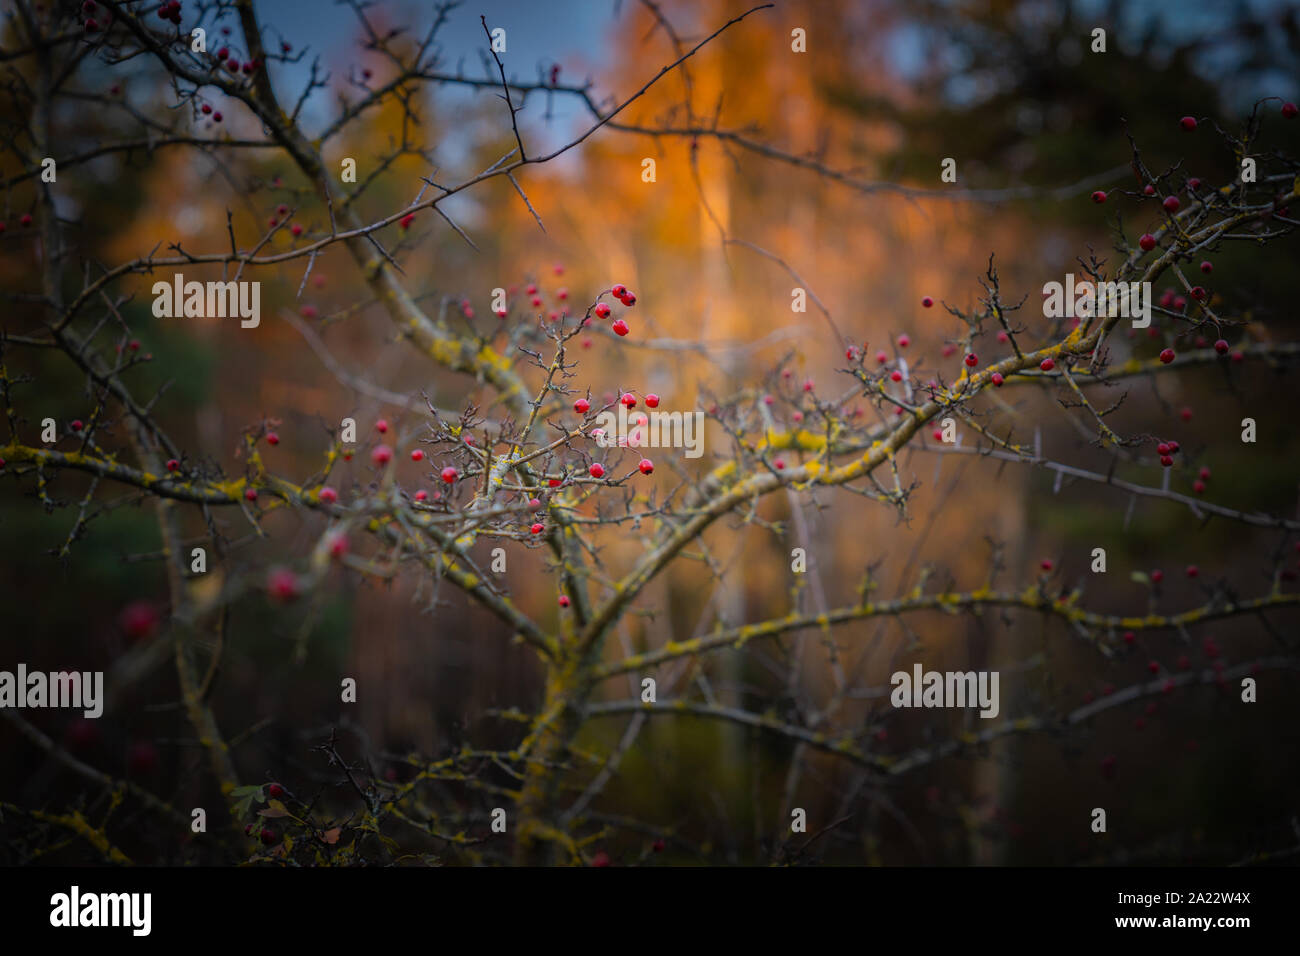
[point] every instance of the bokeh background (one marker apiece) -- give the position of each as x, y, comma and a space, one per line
884, 92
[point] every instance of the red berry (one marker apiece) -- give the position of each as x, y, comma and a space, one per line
268, 836
619, 291
600, 859
1045, 564
329, 495
1193, 571
553, 482
534, 504
896, 376
537, 528
1167, 356
581, 406
1205, 474
83, 734
652, 400
1129, 637
1148, 190
1188, 123
619, 327
275, 791
602, 310
216, 117
282, 585
564, 600
1238, 356
597, 470
1157, 576
1198, 293
1147, 242
628, 400
937, 435
997, 379
381, 426
1166, 461
1289, 110
1171, 204
562, 294
142, 758
205, 108
296, 229
1099, 197
421, 495
629, 300
1193, 184
927, 302
1207, 266
1198, 486
1221, 346
647, 466
779, 464
972, 360
449, 475
407, 220
250, 494
1047, 365
1163, 449
138, 620
904, 341
1153, 667
272, 438
173, 464
417, 455
882, 358
382, 455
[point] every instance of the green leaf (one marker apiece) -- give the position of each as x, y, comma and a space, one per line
274, 810
1140, 577
244, 806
